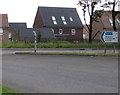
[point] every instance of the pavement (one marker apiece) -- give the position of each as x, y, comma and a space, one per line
60, 74
13, 50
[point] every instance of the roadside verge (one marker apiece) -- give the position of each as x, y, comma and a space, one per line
70, 53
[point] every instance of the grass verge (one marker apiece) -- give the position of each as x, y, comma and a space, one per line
58, 44
4, 89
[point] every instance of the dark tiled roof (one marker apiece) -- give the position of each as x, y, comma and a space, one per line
48, 12
28, 33
17, 26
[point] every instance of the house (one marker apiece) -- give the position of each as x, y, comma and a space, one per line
105, 24
4, 31
20, 32
64, 22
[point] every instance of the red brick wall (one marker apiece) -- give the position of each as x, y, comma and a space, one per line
78, 36
5, 35
38, 23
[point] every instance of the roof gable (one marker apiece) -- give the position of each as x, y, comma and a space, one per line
71, 17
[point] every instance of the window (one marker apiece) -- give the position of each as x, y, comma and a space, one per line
111, 22
54, 20
1, 31
84, 36
53, 30
60, 31
118, 21
64, 22
63, 19
73, 31
71, 19
9, 35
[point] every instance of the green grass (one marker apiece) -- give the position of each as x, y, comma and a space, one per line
57, 44
4, 89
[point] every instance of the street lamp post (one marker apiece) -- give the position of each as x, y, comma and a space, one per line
35, 41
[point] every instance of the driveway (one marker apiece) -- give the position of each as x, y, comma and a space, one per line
60, 74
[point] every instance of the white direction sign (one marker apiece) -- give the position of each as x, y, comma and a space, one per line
109, 37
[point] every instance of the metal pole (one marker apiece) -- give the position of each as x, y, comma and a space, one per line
105, 49
114, 48
35, 41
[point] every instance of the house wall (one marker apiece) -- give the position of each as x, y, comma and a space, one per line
67, 31
5, 36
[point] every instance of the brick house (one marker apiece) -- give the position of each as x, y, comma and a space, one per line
64, 22
4, 28
105, 24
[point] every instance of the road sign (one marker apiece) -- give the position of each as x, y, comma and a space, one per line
109, 37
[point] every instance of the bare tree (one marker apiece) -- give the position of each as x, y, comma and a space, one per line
89, 7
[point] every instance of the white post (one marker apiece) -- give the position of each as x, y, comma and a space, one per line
35, 41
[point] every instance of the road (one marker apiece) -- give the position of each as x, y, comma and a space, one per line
60, 74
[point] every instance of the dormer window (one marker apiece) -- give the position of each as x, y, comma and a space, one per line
54, 20
71, 19
63, 19
118, 21
111, 22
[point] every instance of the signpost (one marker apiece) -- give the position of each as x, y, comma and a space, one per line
35, 41
109, 37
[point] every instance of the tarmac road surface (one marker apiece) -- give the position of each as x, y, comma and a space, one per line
60, 74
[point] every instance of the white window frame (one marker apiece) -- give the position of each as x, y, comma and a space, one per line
60, 31
73, 31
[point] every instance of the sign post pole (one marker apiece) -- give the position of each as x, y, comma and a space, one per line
35, 41
105, 49
109, 37
113, 48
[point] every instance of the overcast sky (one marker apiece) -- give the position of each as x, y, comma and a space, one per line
25, 10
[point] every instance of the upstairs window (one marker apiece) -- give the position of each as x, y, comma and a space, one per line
63, 19
111, 22
54, 20
71, 19
73, 31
